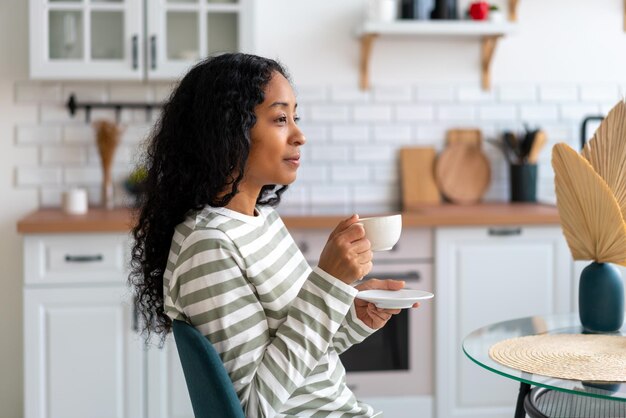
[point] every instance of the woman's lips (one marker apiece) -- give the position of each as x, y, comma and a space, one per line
294, 161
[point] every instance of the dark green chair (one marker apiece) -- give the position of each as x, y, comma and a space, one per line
210, 389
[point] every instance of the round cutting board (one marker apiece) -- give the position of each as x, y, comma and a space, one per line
462, 173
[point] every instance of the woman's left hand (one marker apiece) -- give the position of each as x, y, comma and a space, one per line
367, 312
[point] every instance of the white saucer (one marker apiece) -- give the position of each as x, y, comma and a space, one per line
394, 299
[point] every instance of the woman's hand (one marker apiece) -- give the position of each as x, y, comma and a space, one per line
367, 312
347, 255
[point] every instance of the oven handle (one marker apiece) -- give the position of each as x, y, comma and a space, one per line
407, 275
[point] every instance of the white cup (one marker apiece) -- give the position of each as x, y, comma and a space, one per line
382, 231
382, 10
75, 201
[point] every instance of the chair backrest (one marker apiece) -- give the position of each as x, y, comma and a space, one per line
210, 388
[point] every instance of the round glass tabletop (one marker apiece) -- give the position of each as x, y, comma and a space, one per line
476, 346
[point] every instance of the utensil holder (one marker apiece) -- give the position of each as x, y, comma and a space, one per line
523, 182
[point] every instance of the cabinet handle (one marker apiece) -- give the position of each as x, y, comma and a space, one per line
504, 232
135, 324
83, 258
135, 51
153, 52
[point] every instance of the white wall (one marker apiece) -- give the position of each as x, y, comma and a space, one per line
556, 41
14, 202
566, 59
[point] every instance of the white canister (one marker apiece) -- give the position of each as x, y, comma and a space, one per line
382, 10
75, 201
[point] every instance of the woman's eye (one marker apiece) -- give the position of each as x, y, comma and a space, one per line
282, 119
296, 119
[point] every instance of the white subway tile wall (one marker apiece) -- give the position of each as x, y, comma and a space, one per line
350, 161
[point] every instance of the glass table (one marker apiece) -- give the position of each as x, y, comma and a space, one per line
476, 346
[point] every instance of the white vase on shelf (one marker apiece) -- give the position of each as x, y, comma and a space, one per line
382, 10
496, 16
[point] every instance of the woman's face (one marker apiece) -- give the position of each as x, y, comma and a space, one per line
276, 139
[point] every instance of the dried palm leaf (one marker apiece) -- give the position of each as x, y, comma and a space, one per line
590, 215
606, 152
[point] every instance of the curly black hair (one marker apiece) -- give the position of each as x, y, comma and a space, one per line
196, 156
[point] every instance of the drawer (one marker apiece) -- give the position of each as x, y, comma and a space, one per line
414, 243
76, 258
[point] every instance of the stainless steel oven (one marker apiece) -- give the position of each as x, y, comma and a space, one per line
396, 360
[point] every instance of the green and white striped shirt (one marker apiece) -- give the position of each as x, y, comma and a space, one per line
278, 326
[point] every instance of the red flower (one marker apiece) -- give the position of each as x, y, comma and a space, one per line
479, 10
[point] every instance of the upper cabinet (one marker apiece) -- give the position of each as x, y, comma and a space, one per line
107, 39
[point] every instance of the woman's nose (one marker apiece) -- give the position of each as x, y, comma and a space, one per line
297, 137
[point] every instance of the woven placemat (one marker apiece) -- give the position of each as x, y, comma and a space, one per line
585, 357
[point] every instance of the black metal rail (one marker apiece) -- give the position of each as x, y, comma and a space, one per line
73, 105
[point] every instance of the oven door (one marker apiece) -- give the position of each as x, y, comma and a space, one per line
395, 360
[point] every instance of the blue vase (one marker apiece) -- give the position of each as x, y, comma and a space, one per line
601, 298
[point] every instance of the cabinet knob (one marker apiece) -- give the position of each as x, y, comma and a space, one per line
135, 318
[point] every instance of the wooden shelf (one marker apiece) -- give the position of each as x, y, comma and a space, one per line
487, 32
453, 28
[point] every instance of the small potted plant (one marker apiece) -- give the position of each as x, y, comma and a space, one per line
495, 14
135, 183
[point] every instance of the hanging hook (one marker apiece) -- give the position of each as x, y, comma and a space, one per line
71, 104
118, 111
87, 113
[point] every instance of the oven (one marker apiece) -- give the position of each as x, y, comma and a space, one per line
397, 359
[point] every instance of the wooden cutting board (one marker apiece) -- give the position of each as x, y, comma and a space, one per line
463, 172
418, 177
472, 136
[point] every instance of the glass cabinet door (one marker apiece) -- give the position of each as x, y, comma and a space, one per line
181, 32
86, 39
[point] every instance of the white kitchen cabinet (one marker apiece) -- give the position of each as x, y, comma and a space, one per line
107, 39
485, 275
167, 389
84, 356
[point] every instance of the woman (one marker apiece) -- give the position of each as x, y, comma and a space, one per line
210, 250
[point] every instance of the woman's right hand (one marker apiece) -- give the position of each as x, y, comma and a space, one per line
347, 255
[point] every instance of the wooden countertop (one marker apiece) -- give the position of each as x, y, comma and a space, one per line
121, 219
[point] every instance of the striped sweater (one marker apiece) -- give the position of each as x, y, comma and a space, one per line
278, 325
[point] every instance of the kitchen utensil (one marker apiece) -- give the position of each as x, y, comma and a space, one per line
108, 135
527, 143
418, 177
536, 147
462, 173
469, 136
503, 148
510, 141
394, 299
